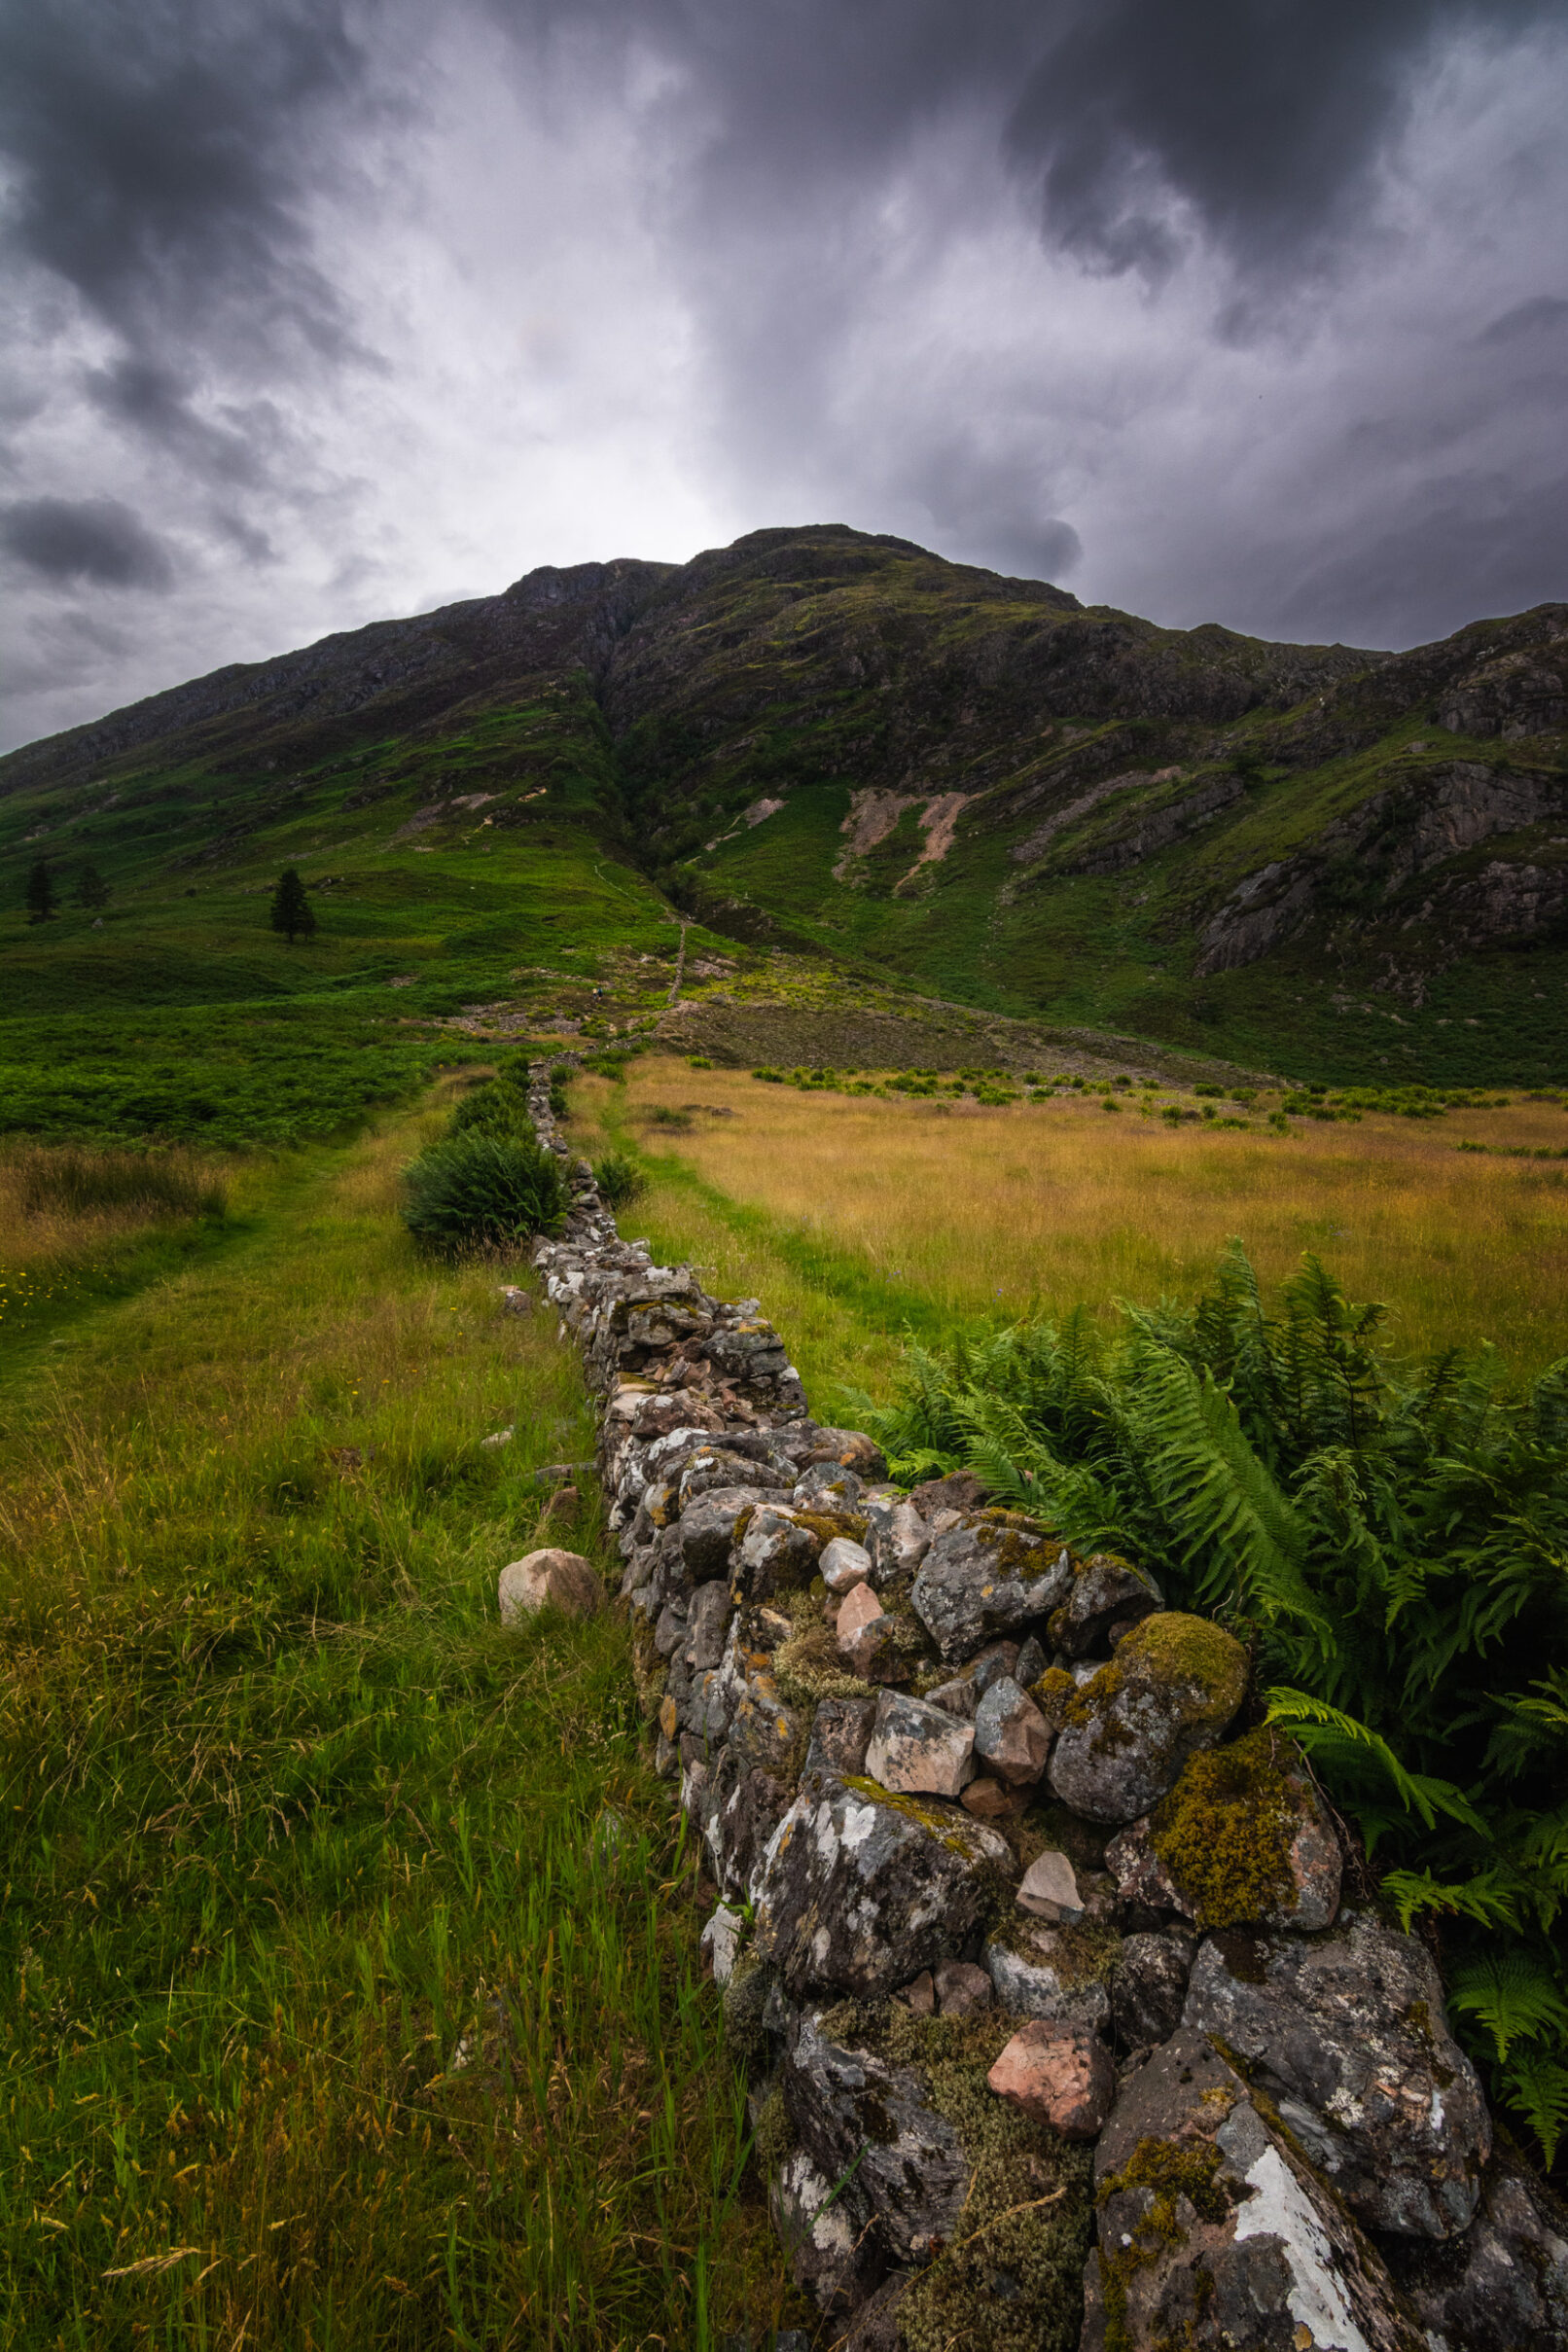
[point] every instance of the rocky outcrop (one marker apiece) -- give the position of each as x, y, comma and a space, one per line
1000, 1883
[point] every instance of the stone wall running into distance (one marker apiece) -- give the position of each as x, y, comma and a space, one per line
1059, 2025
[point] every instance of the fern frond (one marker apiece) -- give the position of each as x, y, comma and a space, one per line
1512, 1996
1324, 1730
1482, 1899
1220, 1497
1536, 2087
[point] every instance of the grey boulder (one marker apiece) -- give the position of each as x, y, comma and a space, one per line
1172, 1688
920, 1749
1011, 1734
1107, 1590
988, 1575
1215, 2235
1503, 2287
1345, 2032
857, 2113
858, 1894
1036, 1975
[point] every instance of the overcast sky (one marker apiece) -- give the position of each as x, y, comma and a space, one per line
315, 312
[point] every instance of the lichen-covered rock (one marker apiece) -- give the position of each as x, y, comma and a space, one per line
772, 1551
832, 2259
745, 1805
1503, 2286
707, 1529
1062, 1976
897, 1538
993, 1573
1011, 1734
764, 1735
1345, 2032
857, 1891
1172, 1688
1242, 1839
916, 1748
855, 2112
1148, 1988
958, 1698
1106, 1590
1215, 2235
827, 1487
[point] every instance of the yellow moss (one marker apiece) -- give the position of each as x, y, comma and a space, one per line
1172, 2171
1054, 1695
1223, 1833
1178, 1651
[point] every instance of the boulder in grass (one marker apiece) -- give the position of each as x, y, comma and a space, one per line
1174, 1686
550, 1579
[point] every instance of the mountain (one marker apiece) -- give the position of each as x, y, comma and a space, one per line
1321, 856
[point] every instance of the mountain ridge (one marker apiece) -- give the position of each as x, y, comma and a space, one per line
974, 783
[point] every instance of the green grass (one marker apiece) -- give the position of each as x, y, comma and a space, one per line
288, 1814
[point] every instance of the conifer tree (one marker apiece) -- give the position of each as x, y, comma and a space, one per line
291, 909
91, 890
40, 894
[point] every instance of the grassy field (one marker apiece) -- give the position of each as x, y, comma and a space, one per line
940, 1211
336, 2015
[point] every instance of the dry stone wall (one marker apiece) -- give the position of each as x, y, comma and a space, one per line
1057, 2026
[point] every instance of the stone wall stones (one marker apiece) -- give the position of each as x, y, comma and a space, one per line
1001, 1874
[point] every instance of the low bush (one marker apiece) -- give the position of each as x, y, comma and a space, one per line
619, 1180
1390, 1541
476, 1190
498, 1106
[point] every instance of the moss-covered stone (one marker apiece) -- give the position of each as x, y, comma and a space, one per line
1223, 1833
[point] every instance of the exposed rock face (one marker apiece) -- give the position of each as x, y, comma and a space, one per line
1172, 1688
1345, 2033
1241, 1841
1215, 2235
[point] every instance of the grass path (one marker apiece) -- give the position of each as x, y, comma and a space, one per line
289, 1819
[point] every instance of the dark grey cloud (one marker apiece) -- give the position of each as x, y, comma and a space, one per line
163, 151
1245, 310
93, 540
1265, 118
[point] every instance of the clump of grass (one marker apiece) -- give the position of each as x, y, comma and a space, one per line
620, 1181
477, 1190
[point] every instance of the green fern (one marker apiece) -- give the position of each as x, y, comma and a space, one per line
1322, 1730
1513, 1996
1535, 2086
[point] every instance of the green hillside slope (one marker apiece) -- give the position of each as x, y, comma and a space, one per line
1350, 865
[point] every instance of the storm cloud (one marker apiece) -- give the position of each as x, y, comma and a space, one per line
1252, 310
94, 539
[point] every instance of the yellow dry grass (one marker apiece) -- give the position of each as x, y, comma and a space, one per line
1036, 1208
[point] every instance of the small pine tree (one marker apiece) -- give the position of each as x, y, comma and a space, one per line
91, 890
41, 900
291, 909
